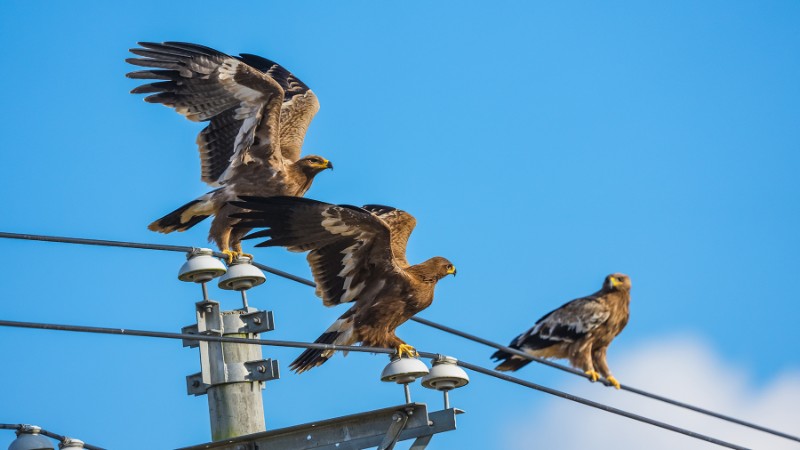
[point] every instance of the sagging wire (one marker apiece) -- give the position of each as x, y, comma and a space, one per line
351, 348
301, 280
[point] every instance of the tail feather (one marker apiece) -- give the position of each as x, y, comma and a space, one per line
340, 333
510, 362
184, 217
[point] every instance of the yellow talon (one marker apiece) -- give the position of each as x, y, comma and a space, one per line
247, 255
406, 349
593, 376
231, 254
613, 381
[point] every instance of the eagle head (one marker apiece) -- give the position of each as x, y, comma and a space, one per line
617, 282
313, 164
440, 267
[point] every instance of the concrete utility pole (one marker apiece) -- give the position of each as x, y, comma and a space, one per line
232, 375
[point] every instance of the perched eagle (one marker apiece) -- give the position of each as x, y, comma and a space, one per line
258, 114
580, 331
356, 254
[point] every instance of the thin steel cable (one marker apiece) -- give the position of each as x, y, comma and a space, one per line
276, 343
169, 248
622, 386
301, 280
43, 432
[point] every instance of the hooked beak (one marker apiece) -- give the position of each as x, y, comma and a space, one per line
328, 165
452, 271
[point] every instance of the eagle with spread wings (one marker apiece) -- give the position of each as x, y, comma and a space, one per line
257, 113
356, 255
580, 330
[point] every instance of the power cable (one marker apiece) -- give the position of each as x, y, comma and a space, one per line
623, 387
280, 273
277, 343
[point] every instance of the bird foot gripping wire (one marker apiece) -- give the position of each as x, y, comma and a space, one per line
613, 382
230, 255
405, 349
593, 376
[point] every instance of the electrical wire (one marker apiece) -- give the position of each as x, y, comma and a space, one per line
43, 432
277, 343
301, 280
623, 387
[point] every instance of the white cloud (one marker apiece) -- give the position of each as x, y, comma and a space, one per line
682, 368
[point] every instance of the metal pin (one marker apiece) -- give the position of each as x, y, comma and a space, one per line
244, 299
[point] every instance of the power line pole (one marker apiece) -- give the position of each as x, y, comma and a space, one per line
232, 375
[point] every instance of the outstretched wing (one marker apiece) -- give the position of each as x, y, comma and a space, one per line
242, 103
349, 248
298, 108
568, 323
401, 224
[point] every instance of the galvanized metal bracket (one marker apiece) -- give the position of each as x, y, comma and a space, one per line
191, 343
209, 320
251, 322
258, 322
213, 322
195, 385
261, 370
354, 432
399, 420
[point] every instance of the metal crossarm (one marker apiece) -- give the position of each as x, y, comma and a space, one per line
354, 432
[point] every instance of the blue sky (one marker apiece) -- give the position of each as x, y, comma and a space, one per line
540, 146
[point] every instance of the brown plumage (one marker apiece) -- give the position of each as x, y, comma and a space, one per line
258, 114
356, 254
579, 331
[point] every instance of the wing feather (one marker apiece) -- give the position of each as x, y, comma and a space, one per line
299, 106
349, 247
206, 85
570, 322
402, 225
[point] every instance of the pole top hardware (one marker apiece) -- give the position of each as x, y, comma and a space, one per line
201, 266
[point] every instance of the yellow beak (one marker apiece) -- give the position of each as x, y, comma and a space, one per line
452, 271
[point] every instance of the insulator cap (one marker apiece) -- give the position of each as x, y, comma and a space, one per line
200, 266
28, 438
445, 375
241, 275
403, 370
71, 443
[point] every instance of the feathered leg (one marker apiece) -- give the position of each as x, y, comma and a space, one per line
599, 360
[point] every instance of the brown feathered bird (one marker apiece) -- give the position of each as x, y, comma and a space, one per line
356, 254
580, 331
258, 114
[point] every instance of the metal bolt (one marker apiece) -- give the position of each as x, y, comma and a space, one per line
257, 320
262, 369
195, 383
